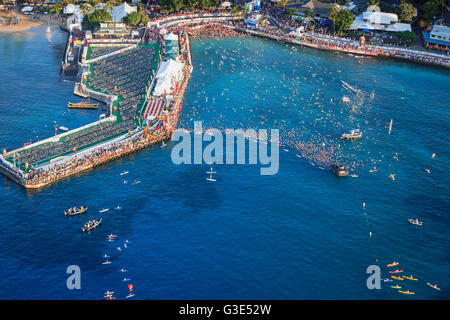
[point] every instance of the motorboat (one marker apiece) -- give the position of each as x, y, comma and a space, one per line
339, 170
353, 135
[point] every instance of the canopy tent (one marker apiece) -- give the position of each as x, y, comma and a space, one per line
171, 37
163, 31
168, 74
119, 12
27, 9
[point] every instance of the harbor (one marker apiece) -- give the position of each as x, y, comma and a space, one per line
140, 226
129, 102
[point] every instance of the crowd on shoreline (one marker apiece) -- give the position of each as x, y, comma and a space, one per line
76, 164
213, 31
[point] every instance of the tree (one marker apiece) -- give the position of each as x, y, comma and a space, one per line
373, 3
430, 9
291, 12
343, 20
282, 4
307, 13
133, 18
57, 8
406, 12
332, 15
97, 17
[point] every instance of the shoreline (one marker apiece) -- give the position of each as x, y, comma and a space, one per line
28, 23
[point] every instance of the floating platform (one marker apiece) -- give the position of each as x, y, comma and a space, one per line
83, 105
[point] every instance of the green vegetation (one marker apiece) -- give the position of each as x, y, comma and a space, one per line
407, 36
406, 12
96, 17
343, 20
430, 9
133, 18
177, 5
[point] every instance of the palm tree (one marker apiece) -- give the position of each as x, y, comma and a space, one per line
93, 3
57, 8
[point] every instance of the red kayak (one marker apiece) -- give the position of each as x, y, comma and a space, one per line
396, 271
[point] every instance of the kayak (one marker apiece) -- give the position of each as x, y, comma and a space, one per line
434, 286
387, 280
396, 287
393, 264
410, 278
406, 292
396, 271
397, 278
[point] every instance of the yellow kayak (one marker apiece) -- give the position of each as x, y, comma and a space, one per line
410, 278
393, 264
397, 278
406, 292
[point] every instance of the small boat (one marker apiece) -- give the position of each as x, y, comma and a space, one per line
347, 86
130, 295
434, 286
393, 264
427, 171
126, 279
410, 278
387, 280
353, 135
82, 105
124, 173
62, 128
103, 210
74, 211
91, 224
396, 271
396, 287
118, 208
123, 270
415, 222
338, 170
163, 145
136, 182
397, 278
106, 262
105, 256
406, 292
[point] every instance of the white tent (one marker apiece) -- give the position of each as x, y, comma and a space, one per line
170, 68
27, 9
163, 31
168, 74
171, 37
119, 12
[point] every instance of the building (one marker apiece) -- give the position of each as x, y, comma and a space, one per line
375, 20
119, 12
438, 38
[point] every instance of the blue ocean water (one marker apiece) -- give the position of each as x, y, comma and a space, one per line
299, 234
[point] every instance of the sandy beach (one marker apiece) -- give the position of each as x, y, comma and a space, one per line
28, 23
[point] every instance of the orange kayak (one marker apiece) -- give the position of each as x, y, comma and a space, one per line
410, 278
406, 292
397, 278
393, 264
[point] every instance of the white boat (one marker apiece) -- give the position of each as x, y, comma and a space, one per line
103, 210
347, 86
107, 262
130, 295
124, 173
118, 208
163, 145
345, 99
62, 128
354, 134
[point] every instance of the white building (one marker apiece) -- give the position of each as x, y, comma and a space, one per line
374, 19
